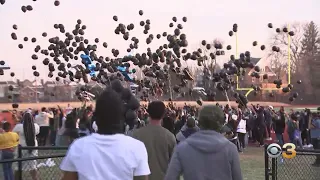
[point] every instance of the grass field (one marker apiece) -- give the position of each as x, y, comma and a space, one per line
252, 165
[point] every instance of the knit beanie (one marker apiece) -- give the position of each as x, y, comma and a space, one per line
211, 114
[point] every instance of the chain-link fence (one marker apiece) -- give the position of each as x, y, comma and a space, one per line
304, 166
33, 162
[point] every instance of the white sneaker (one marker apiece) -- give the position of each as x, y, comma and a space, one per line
310, 146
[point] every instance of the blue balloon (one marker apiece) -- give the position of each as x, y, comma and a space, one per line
92, 68
88, 63
125, 73
122, 69
86, 58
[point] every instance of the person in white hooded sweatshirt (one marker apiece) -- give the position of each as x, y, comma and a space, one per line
42, 119
241, 131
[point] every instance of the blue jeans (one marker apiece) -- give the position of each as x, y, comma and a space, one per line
7, 167
280, 138
53, 135
291, 137
298, 140
62, 140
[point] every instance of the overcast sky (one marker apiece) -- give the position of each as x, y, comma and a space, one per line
207, 19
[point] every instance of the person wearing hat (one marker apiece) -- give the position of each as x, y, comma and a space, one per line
207, 146
190, 129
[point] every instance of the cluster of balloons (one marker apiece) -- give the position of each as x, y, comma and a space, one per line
63, 52
131, 103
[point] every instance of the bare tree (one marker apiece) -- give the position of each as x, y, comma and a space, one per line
281, 40
278, 66
209, 60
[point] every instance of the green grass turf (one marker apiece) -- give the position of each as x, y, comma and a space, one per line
252, 165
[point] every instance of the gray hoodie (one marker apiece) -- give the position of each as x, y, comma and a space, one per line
205, 155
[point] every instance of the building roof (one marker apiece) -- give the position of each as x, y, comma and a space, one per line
36, 82
265, 66
8, 83
34, 89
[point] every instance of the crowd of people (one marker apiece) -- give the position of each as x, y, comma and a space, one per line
164, 142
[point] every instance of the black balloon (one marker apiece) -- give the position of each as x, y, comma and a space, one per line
36, 73
174, 19
24, 9
56, 3
255, 43
184, 19
291, 33
29, 8
14, 36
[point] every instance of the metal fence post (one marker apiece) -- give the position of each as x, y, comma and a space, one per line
266, 162
274, 168
19, 163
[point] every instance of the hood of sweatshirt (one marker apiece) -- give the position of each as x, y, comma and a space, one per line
207, 141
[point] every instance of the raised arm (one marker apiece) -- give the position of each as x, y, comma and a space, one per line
254, 108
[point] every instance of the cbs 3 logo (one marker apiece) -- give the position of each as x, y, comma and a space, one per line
288, 150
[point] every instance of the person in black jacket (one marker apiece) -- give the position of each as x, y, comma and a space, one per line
268, 121
260, 124
179, 124
304, 127
168, 123
279, 121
